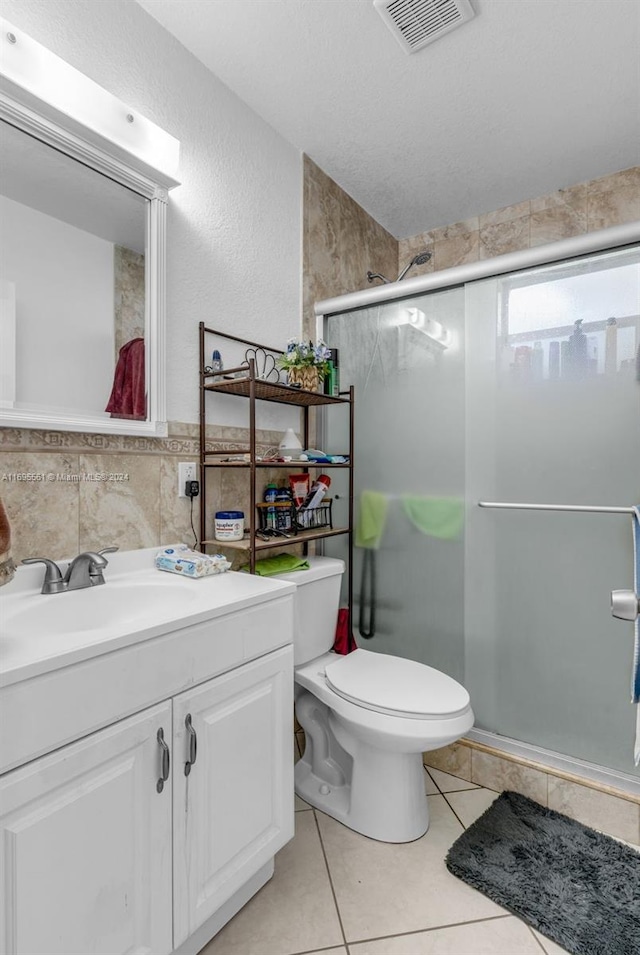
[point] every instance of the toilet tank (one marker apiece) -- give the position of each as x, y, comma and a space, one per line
316, 604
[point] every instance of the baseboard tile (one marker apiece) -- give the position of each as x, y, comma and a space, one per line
590, 801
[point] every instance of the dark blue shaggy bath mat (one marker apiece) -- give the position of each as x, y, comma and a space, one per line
579, 888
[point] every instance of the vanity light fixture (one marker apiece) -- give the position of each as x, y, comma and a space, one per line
428, 326
28, 69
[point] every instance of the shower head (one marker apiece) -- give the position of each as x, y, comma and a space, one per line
420, 259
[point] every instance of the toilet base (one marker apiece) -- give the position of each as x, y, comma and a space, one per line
378, 793
381, 819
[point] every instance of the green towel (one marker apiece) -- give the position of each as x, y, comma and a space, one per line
280, 564
441, 517
371, 519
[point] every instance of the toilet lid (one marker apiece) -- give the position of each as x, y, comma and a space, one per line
396, 686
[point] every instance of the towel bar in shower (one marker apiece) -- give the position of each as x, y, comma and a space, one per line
583, 508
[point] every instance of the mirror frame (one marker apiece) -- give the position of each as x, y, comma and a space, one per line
63, 134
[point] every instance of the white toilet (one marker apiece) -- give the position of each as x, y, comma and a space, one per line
367, 717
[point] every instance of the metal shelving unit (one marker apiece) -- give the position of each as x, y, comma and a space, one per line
255, 389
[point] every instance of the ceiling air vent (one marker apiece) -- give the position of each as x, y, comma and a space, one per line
414, 23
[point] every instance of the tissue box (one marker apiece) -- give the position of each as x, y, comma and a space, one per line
190, 563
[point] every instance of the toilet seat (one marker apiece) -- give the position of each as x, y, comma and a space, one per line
395, 686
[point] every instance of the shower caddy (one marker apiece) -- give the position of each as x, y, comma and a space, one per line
251, 386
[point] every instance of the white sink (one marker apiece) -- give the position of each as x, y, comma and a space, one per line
39, 632
96, 608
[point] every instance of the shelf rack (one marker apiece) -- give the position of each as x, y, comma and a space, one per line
249, 385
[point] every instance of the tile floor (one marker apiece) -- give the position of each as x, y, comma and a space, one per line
338, 892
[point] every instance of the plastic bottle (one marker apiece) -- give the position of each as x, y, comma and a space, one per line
336, 373
537, 361
522, 363
313, 498
332, 378
284, 520
592, 355
578, 351
554, 360
611, 347
216, 361
270, 496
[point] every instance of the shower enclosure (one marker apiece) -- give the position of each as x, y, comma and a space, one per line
518, 387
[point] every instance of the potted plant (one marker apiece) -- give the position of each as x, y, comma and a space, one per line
306, 364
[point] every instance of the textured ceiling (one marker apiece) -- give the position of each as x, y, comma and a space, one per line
529, 97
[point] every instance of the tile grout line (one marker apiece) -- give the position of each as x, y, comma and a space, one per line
316, 951
535, 936
434, 928
333, 891
454, 812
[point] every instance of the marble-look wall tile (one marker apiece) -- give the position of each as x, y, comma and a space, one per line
123, 512
456, 230
506, 214
341, 243
559, 215
617, 817
456, 249
43, 510
454, 759
128, 296
498, 774
614, 200
498, 238
585, 207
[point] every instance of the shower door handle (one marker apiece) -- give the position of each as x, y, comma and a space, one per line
625, 604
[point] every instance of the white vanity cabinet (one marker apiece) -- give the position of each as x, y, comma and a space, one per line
86, 846
100, 854
234, 809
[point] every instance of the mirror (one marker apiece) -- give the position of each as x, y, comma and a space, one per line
72, 283
81, 284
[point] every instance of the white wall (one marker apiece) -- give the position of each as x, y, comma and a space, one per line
234, 242
63, 280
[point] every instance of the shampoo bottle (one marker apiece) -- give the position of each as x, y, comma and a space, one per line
578, 351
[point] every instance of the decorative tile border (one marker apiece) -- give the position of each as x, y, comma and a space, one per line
183, 440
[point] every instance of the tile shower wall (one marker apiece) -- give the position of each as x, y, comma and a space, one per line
587, 207
341, 243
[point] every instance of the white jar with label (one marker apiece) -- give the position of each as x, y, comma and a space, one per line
229, 526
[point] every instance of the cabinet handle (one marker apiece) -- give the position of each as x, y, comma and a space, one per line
166, 761
193, 745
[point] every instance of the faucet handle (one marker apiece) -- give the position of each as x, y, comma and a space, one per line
53, 582
109, 550
95, 568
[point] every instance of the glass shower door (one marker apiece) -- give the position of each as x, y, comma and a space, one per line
409, 442
534, 399
553, 416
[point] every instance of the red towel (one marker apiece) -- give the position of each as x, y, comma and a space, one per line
344, 642
128, 398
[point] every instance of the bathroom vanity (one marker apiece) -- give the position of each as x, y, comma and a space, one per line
146, 757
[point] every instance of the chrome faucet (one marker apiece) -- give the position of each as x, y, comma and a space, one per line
85, 570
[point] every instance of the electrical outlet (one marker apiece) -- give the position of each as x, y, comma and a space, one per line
186, 472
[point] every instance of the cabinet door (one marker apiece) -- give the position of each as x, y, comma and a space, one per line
234, 809
85, 859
